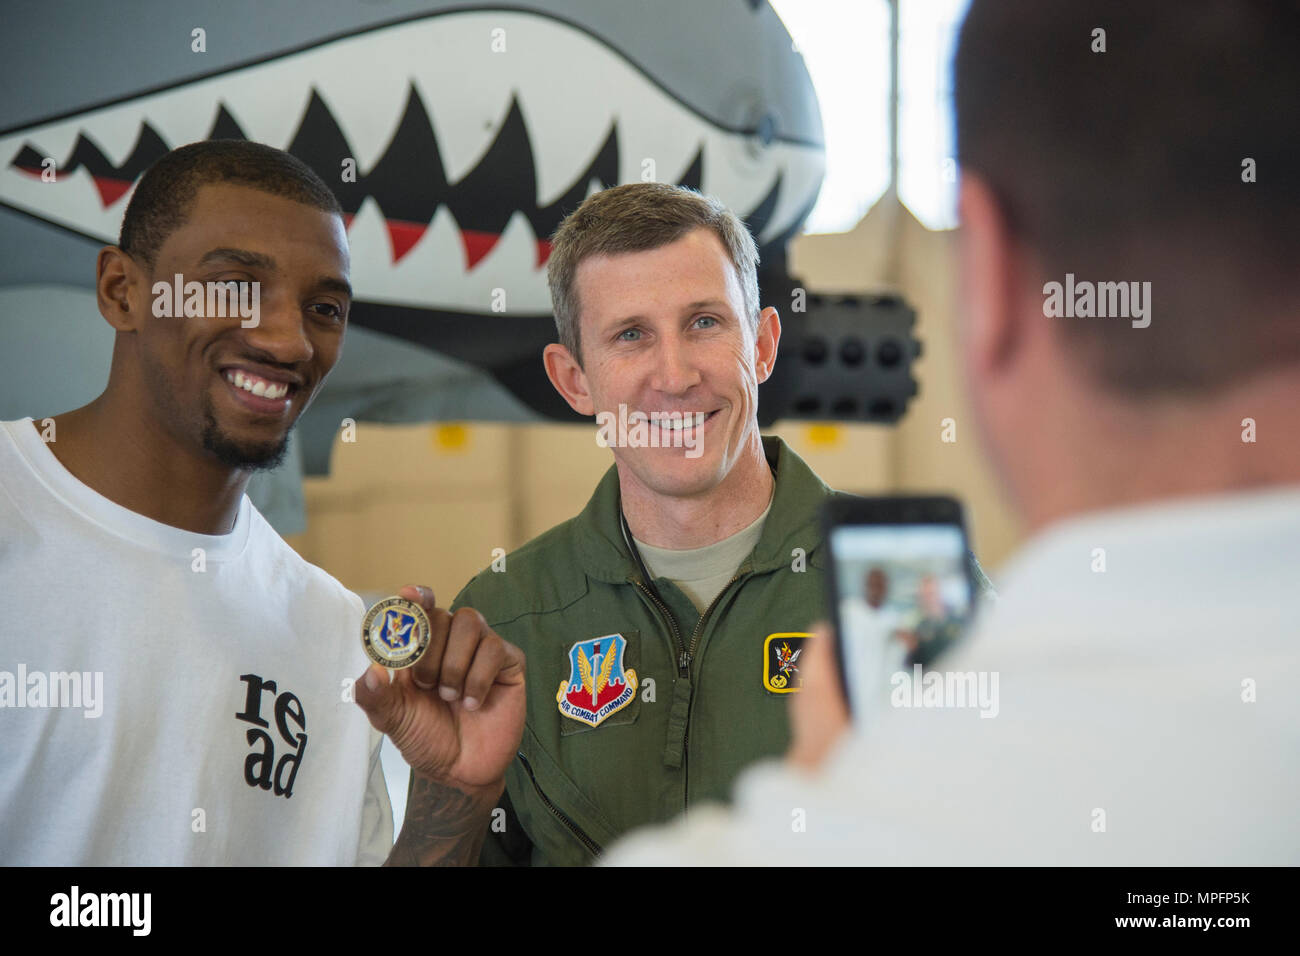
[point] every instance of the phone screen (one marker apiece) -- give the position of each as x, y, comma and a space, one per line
903, 596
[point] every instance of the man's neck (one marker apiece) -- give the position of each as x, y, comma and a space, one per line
136, 464
1161, 451
682, 523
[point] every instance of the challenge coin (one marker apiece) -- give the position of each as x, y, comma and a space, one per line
395, 632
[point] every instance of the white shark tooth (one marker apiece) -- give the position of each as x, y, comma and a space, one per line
465, 85
657, 136
569, 117
368, 105
801, 171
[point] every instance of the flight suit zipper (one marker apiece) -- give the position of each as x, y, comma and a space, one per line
686, 654
592, 846
683, 658
699, 626
690, 656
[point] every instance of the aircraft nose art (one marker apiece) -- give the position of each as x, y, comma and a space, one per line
454, 157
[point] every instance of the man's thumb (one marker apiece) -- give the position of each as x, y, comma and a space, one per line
377, 696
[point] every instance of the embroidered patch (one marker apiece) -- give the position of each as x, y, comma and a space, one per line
597, 685
781, 654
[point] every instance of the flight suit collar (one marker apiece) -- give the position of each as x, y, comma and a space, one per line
792, 523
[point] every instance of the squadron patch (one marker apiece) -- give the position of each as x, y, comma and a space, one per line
395, 633
781, 654
598, 685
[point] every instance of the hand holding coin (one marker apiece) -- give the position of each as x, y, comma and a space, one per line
454, 709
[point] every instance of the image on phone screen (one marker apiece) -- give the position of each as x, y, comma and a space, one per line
903, 597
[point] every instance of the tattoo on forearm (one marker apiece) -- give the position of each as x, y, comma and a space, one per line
443, 827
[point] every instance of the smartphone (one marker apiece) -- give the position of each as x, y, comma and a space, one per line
901, 589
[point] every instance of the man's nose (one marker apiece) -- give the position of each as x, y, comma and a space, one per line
278, 328
675, 369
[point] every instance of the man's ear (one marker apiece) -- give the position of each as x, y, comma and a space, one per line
991, 271
568, 378
119, 284
769, 339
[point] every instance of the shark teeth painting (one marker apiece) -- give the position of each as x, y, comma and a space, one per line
465, 156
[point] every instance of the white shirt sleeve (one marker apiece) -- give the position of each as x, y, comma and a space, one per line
377, 812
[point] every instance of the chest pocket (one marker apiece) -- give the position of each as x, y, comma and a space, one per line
600, 683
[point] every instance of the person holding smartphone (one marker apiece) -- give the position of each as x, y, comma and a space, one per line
1145, 635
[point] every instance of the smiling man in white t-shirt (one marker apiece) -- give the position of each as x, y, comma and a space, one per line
176, 684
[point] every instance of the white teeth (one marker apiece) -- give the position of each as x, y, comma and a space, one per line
257, 386
676, 424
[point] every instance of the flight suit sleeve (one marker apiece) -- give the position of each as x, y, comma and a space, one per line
507, 844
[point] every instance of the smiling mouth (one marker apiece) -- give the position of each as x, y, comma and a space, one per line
263, 394
674, 421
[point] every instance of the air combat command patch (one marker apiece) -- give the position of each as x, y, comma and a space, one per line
597, 685
781, 661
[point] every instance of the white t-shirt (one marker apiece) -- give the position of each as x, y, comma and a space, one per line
1147, 714
171, 698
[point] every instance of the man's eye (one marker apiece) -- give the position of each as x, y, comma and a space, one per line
327, 309
707, 318
633, 333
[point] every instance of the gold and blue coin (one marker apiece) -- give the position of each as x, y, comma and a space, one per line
395, 632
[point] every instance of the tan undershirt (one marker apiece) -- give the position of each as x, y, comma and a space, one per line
702, 573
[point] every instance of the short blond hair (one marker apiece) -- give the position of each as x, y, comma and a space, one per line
636, 217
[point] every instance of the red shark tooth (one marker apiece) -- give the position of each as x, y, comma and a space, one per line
543, 251
403, 235
477, 245
111, 190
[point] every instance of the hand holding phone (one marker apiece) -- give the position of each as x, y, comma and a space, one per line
900, 588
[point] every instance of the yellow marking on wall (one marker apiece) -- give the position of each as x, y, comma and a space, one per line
824, 436
451, 438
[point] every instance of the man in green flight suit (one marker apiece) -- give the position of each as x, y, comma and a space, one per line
663, 625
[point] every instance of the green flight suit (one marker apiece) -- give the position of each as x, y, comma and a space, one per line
701, 710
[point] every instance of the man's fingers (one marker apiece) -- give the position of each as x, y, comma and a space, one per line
821, 653
425, 671
468, 628
489, 658
818, 714
465, 657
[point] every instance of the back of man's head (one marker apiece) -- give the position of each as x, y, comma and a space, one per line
1149, 141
